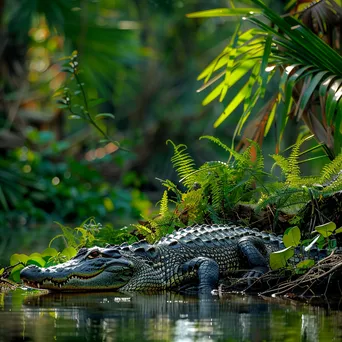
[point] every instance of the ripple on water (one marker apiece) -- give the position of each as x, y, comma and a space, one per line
164, 317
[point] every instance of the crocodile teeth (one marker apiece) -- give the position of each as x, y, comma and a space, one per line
38, 285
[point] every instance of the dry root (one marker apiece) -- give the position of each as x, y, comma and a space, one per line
326, 274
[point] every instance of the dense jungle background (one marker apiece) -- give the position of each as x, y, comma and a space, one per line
139, 61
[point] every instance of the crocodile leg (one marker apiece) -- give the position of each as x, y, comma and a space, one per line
254, 250
201, 270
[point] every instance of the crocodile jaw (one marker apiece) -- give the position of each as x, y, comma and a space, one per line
111, 276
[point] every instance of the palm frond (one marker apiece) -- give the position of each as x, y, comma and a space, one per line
311, 72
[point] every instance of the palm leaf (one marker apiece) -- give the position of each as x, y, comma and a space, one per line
310, 69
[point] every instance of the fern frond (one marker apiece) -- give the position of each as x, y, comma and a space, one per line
194, 205
259, 158
69, 236
331, 171
294, 175
145, 231
217, 187
290, 166
281, 198
163, 211
171, 186
183, 163
218, 142
252, 161
282, 162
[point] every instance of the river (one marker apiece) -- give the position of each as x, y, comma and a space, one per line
26, 316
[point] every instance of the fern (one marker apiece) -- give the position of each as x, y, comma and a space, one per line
218, 142
282, 162
172, 187
290, 166
164, 205
331, 173
284, 198
183, 163
215, 188
193, 207
294, 174
146, 232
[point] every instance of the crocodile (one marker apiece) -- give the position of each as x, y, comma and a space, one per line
194, 258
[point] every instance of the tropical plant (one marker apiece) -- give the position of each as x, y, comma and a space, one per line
296, 190
37, 186
325, 238
208, 193
303, 49
77, 102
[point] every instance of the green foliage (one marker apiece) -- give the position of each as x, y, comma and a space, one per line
279, 259
210, 191
326, 229
77, 101
48, 257
164, 205
37, 186
88, 234
304, 265
182, 163
292, 239
310, 70
296, 190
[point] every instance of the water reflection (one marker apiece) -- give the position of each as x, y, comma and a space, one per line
164, 317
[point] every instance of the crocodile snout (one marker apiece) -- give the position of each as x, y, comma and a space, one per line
30, 271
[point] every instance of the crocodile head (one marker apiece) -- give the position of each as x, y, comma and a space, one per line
91, 269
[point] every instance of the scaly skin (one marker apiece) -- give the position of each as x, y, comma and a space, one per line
192, 257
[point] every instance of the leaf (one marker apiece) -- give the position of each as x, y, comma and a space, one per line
309, 91
95, 102
228, 74
67, 69
285, 75
224, 12
36, 259
279, 259
15, 273
75, 117
104, 115
332, 244
338, 230
69, 252
48, 253
108, 204
62, 106
264, 63
235, 76
293, 79
334, 95
272, 115
304, 265
15, 258
308, 247
291, 237
232, 105
326, 229
2, 271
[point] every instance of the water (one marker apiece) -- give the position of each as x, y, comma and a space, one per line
164, 317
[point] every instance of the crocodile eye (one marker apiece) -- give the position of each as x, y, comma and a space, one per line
94, 254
